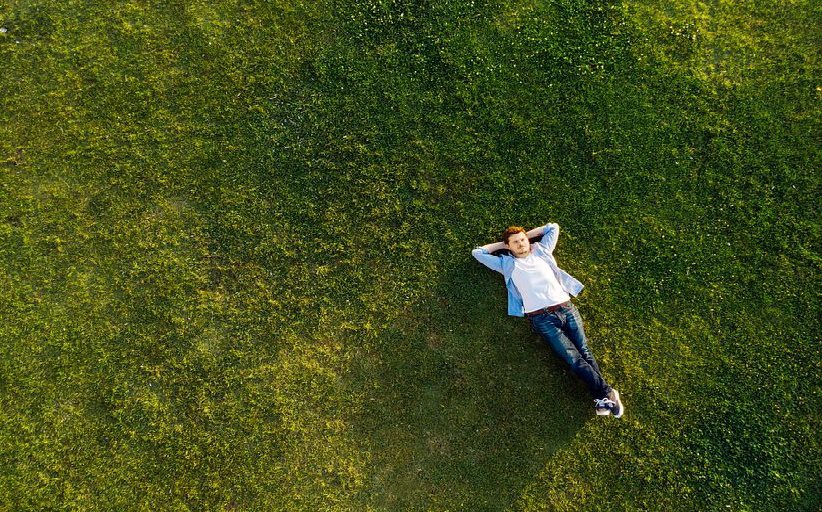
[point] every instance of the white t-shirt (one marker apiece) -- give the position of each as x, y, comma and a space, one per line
537, 283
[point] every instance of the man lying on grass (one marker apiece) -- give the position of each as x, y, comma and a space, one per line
539, 290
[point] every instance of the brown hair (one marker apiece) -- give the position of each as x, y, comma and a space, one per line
512, 230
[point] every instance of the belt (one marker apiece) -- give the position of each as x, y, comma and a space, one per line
548, 309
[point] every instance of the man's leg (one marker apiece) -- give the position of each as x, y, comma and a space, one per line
572, 327
549, 326
576, 333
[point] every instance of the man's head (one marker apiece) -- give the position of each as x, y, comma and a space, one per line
517, 241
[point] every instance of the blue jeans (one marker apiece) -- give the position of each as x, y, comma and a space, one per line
562, 330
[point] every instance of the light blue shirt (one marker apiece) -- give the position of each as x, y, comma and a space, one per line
504, 264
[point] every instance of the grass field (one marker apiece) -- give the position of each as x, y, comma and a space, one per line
235, 254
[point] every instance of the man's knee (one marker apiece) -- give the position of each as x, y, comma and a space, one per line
576, 362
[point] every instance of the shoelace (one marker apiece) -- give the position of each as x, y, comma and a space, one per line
603, 402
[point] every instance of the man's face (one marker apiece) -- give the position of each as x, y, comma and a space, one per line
519, 245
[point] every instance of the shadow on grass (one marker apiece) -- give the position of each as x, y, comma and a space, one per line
465, 404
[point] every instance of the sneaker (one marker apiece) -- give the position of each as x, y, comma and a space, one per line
602, 406
617, 409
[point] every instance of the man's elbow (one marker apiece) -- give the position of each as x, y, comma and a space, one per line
551, 227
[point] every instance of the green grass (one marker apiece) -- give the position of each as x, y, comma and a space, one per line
236, 269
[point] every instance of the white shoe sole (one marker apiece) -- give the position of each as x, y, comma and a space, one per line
621, 405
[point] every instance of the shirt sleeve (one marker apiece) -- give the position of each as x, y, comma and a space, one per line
549, 237
488, 259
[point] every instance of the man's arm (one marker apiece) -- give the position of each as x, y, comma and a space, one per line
494, 247
550, 235
484, 256
535, 232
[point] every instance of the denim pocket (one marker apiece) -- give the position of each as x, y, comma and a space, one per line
536, 321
